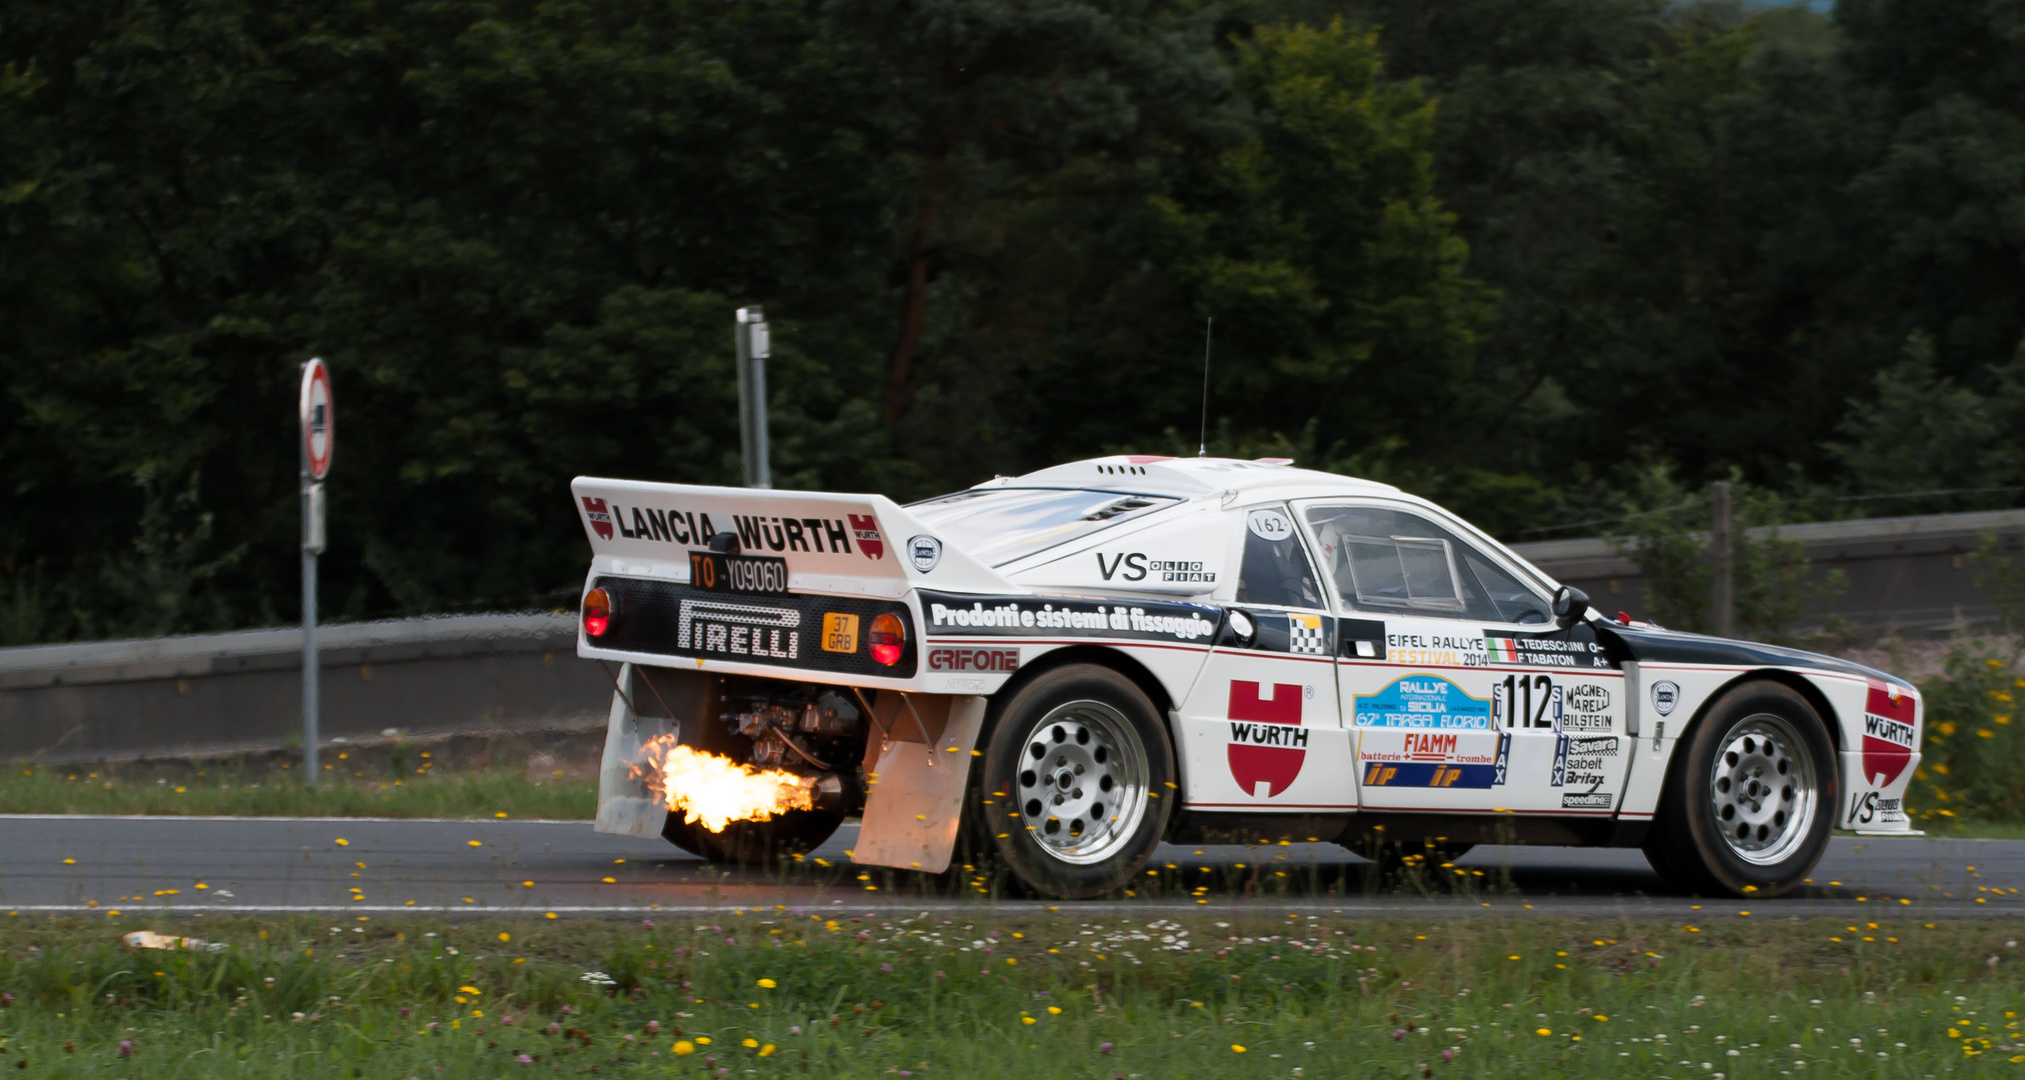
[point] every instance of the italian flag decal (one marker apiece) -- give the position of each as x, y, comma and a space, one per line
1500, 650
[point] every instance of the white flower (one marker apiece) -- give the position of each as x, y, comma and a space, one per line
599, 978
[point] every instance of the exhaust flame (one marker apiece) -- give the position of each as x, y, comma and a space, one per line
715, 790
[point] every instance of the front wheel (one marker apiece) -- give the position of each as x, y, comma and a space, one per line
1750, 801
1077, 781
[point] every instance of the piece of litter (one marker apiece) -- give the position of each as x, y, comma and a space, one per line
148, 939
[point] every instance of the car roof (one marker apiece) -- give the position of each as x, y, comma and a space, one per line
1192, 477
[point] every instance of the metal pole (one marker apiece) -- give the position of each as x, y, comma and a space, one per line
750, 334
1722, 579
310, 665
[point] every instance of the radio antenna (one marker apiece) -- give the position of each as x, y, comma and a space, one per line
1202, 447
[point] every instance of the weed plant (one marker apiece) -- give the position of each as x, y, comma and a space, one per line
280, 792
844, 993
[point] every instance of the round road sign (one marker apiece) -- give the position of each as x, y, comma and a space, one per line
319, 419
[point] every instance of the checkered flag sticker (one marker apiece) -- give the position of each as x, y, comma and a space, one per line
1304, 635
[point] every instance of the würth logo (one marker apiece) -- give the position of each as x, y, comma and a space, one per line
601, 518
1887, 734
1267, 743
866, 528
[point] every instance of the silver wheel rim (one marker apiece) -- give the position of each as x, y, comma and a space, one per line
1081, 783
1763, 792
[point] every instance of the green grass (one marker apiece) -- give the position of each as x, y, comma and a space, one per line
241, 789
786, 993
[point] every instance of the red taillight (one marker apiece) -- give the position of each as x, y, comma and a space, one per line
888, 638
597, 612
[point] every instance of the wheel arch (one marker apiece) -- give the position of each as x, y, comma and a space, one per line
1792, 680
1115, 659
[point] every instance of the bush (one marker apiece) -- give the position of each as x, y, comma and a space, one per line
1973, 758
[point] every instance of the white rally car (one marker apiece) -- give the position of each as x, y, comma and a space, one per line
1068, 667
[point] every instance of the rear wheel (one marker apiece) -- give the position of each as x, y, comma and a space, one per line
1749, 803
1078, 781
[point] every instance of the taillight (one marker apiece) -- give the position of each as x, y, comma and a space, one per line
888, 638
597, 612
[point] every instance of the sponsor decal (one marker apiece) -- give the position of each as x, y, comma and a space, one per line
1588, 698
739, 629
1665, 698
718, 572
1888, 736
925, 552
1135, 566
944, 659
1430, 759
1171, 622
865, 527
840, 632
1269, 525
1874, 806
1579, 761
1592, 800
600, 517
1434, 650
1543, 652
1422, 701
1267, 742
787, 534
1304, 635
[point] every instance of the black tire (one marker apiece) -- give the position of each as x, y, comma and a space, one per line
1750, 799
754, 843
1102, 736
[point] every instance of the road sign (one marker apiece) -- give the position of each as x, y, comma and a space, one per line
319, 419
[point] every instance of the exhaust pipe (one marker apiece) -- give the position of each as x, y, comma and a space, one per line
826, 792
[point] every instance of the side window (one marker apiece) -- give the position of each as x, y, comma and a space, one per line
1389, 560
1276, 569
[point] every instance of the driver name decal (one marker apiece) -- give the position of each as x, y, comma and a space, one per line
1267, 742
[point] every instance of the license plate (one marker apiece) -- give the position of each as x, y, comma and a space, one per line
718, 572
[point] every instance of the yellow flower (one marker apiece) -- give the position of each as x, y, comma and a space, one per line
467, 990
1028, 1020
751, 1043
1236, 1048
341, 842
1544, 1031
474, 843
684, 1047
1947, 728
1054, 1010
766, 1051
768, 983
703, 1040
1600, 1016
504, 936
1985, 733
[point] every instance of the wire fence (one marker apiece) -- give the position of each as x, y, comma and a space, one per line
1800, 503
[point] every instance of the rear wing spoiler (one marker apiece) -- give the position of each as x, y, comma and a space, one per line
831, 543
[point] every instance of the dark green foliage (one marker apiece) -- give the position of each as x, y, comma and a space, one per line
1491, 250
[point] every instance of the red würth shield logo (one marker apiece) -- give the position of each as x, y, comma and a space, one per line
1887, 734
866, 528
1267, 742
601, 518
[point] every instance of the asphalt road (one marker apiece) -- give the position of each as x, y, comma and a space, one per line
382, 867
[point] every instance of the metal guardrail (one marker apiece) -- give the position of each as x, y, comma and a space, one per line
241, 691
1905, 573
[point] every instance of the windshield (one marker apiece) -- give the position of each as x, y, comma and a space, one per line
1000, 525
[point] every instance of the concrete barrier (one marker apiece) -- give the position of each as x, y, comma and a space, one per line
243, 691
1906, 573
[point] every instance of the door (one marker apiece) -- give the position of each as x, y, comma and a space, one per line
1261, 729
1458, 689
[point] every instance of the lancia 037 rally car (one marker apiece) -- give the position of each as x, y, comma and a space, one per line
1067, 667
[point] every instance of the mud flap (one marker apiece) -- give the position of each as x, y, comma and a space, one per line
916, 804
625, 806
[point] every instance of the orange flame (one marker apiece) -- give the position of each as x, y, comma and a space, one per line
714, 789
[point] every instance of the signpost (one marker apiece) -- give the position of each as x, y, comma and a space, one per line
319, 438
750, 334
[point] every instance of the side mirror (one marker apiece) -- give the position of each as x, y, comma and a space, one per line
1569, 605
1243, 630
